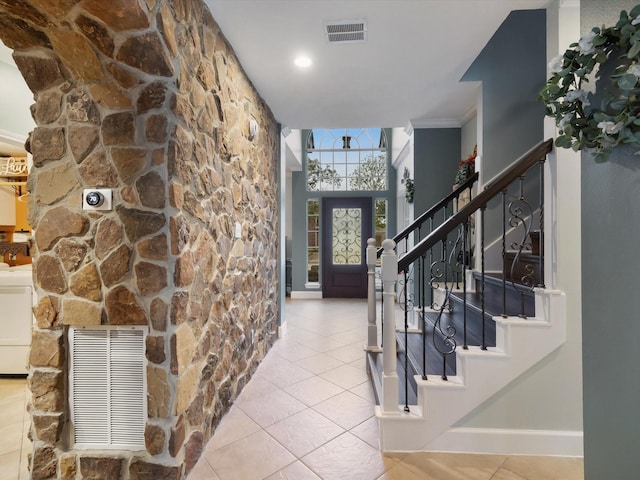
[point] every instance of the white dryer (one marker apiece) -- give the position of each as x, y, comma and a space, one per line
16, 319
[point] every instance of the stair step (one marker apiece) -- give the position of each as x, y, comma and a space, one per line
516, 296
456, 318
374, 360
434, 360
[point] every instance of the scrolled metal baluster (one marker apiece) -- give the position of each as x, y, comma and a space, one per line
519, 211
423, 325
445, 343
432, 299
541, 237
465, 228
482, 276
406, 345
504, 253
405, 281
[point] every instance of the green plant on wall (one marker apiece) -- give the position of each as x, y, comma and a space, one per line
408, 185
616, 120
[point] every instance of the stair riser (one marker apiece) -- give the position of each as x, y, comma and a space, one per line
474, 324
493, 292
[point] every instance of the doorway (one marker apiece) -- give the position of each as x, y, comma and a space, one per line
347, 224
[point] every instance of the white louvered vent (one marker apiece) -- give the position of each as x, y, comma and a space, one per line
108, 387
346, 31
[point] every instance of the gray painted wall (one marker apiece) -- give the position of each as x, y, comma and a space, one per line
512, 68
611, 330
436, 157
548, 396
299, 218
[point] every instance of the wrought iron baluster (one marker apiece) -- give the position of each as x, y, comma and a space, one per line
482, 276
520, 210
406, 342
419, 285
445, 303
465, 228
504, 253
423, 320
382, 317
541, 237
455, 207
431, 297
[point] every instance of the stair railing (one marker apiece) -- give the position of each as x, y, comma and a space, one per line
453, 239
414, 294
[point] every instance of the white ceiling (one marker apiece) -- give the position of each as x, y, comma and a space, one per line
407, 71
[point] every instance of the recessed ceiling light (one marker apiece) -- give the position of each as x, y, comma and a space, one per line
303, 61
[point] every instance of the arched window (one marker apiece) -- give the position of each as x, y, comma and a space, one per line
347, 159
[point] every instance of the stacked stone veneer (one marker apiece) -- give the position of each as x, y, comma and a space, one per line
147, 98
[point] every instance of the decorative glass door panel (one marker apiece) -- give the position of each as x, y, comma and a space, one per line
347, 224
347, 236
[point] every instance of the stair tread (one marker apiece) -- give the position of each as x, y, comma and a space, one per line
493, 304
455, 318
434, 359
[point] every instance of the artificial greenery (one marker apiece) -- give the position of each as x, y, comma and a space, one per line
466, 167
616, 121
408, 183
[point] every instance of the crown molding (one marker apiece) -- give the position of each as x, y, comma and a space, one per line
469, 115
404, 153
437, 123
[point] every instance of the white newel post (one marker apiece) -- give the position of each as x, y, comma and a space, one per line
389, 404
372, 329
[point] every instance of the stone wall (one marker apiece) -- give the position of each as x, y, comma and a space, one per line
147, 98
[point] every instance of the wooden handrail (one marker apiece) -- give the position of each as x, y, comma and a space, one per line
404, 233
494, 187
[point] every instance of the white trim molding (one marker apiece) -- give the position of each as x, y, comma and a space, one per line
306, 295
510, 442
12, 138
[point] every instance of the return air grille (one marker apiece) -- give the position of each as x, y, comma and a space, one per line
347, 31
108, 387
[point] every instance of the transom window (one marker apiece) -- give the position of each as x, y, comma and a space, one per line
347, 159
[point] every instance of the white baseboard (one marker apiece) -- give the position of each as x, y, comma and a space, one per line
305, 295
510, 442
282, 329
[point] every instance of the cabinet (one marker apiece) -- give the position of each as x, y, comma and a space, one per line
7, 206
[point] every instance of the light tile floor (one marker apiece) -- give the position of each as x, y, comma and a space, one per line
14, 423
308, 413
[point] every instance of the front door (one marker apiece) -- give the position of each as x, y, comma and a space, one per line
347, 224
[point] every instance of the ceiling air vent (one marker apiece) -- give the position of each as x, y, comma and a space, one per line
346, 31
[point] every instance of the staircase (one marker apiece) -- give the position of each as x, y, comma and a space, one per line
476, 332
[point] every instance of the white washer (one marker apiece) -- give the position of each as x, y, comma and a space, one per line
16, 318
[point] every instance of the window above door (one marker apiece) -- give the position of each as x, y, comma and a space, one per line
347, 160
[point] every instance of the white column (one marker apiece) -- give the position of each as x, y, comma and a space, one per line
372, 329
389, 404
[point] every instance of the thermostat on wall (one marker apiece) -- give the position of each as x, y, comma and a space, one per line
97, 199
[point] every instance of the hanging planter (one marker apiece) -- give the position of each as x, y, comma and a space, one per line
616, 120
